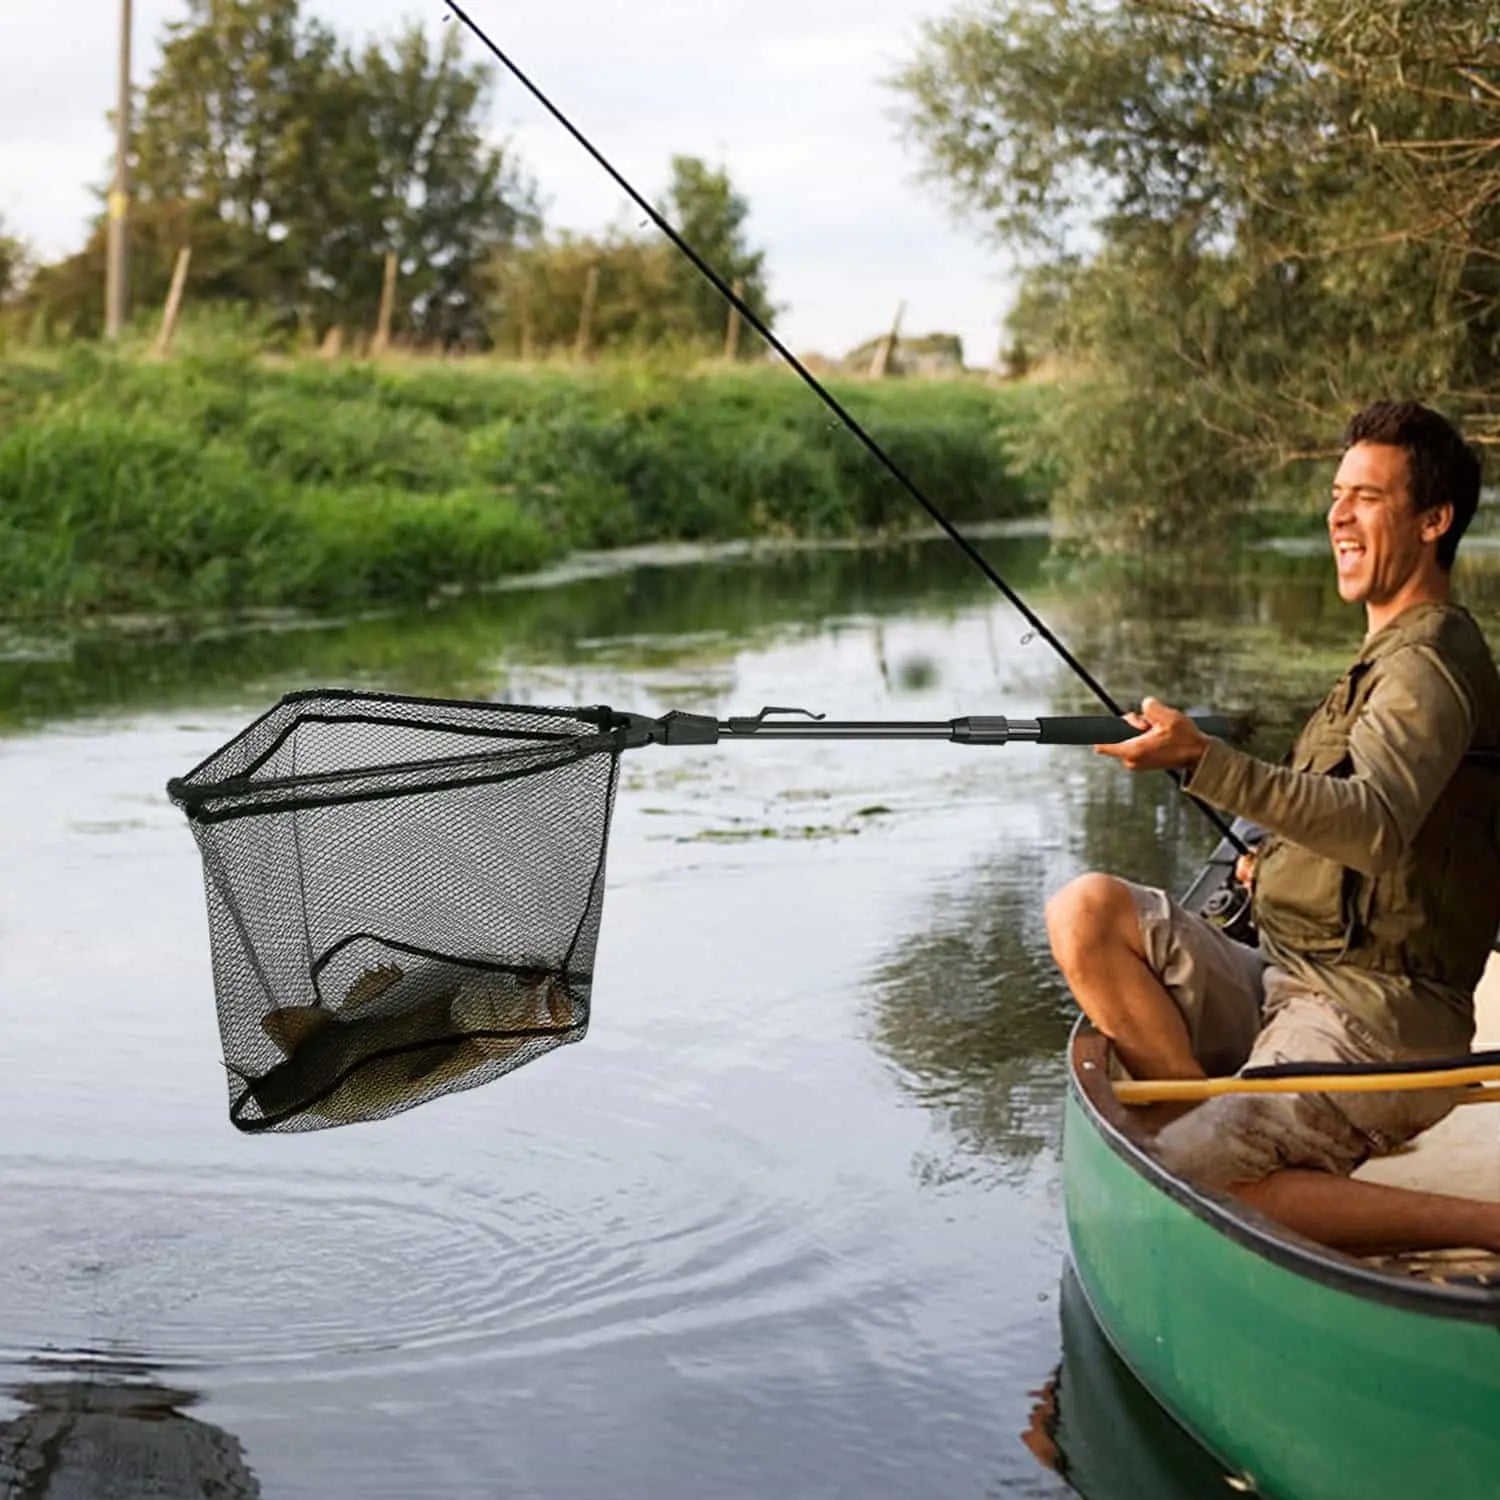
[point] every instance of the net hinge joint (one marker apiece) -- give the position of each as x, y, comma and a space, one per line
675, 728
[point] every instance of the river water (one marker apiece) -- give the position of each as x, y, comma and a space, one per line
787, 1223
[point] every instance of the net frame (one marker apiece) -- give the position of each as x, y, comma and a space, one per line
404, 895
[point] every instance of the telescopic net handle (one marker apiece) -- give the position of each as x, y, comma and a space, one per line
679, 728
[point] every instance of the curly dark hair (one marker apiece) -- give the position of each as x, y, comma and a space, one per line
1441, 465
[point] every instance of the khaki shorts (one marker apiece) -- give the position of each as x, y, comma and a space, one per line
1242, 1012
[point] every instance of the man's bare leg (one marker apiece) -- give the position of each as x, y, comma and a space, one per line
1096, 939
1369, 1218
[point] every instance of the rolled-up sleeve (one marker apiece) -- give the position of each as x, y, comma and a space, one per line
1404, 747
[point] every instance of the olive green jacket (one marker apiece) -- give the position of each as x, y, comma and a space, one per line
1380, 883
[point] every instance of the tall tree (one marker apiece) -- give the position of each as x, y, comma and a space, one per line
703, 206
294, 165
1245, 217
237, 127
423, 185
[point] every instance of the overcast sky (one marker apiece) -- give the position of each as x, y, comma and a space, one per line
787, 94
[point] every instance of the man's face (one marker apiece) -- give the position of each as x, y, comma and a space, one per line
1378, 538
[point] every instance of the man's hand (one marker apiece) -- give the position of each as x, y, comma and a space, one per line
1169, 740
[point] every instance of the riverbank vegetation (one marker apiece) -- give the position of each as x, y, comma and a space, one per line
1240, 223
222, 480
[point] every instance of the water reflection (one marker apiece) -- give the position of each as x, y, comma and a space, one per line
973, 1016
1260, 631
968, 1005
651, 614
1095, 1424
109, 1429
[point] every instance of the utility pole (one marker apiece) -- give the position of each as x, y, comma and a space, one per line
116, 288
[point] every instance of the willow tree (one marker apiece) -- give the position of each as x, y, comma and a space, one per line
1240, 220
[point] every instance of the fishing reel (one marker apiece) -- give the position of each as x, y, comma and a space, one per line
1228, 908
1218, 896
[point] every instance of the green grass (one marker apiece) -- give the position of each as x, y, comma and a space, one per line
220, 480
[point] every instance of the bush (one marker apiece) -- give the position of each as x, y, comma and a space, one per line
220, 480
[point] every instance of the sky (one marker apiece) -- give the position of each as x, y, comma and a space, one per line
786, 94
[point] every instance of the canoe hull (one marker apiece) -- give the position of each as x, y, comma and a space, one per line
1310, 1375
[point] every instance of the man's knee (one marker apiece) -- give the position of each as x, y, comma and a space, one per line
1236, 1141
1223, 1143
1091, 913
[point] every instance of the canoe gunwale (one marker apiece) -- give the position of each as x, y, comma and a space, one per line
1088, 1080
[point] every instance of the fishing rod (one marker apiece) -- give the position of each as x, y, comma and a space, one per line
1037, 624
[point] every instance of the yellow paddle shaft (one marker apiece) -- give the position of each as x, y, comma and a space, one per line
1192, 1090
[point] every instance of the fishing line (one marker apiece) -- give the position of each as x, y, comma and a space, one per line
821, 391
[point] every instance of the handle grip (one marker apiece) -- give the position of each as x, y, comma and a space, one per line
1102, 730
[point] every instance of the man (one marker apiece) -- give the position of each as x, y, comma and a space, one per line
1377, 894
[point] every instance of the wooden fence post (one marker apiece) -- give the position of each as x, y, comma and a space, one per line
732, 332
387, 306
880, 360
523, 311
174, 302
586, 313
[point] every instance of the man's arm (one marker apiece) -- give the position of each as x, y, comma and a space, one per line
1403, 748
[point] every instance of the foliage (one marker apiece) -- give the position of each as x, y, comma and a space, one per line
223, 481
15, 265
15, 273
292, 165
646, 293
1245, 217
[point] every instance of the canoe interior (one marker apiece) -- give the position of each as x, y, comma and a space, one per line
1459, 1155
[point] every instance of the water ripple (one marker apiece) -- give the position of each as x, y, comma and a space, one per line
235, 1271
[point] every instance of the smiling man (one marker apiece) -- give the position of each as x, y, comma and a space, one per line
1377, 893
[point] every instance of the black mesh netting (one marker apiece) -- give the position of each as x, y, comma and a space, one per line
404, 896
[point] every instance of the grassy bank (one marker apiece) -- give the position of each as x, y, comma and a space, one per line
220, 481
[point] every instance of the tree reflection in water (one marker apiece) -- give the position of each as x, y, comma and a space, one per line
464, 646
972, 1014
113, 1431
969, 1006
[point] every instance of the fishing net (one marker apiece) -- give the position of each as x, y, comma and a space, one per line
404, 896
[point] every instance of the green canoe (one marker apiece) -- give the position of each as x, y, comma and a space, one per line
1097, 1426
1310, 1374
